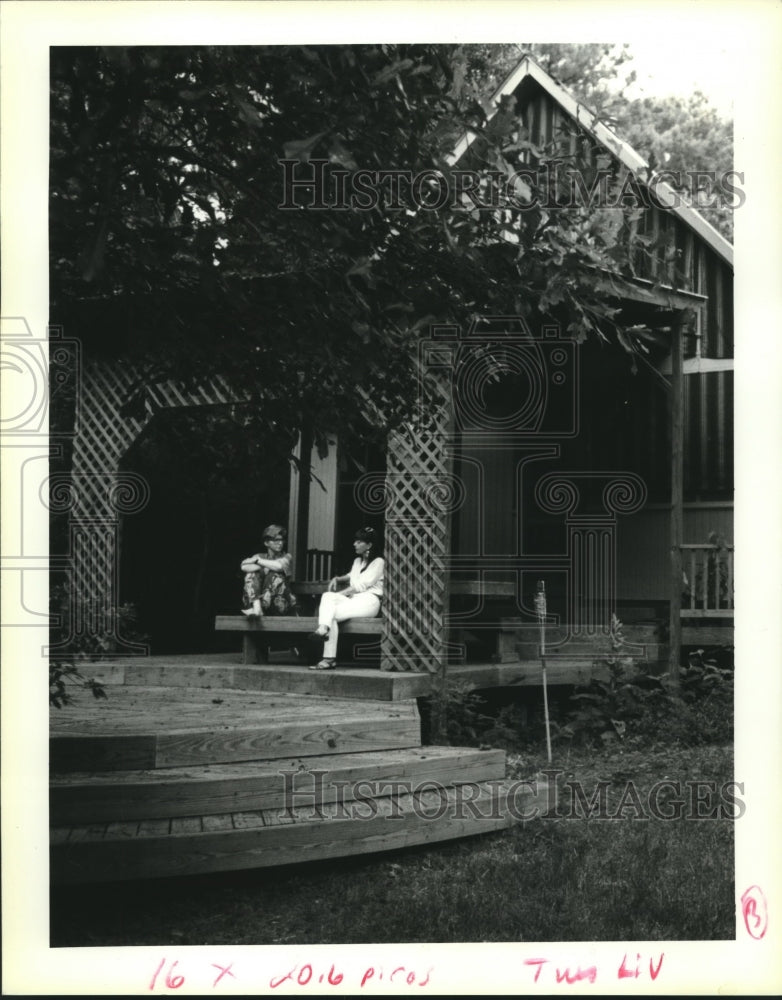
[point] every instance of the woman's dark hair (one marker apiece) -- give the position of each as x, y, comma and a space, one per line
372, 537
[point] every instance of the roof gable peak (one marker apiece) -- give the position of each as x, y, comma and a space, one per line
529, 67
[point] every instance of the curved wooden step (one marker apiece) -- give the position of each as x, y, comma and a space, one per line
120, 796
265, 838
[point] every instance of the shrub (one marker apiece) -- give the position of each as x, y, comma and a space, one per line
626, 703
455, 712
634, 703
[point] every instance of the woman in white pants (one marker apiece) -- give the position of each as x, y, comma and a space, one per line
360, 599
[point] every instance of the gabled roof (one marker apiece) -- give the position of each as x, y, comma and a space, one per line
590, 122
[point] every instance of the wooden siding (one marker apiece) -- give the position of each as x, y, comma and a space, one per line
684, 261
323, 498
635, 436
708, 468
643, 543
698, 268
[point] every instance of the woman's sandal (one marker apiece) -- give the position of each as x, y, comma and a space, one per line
327, 663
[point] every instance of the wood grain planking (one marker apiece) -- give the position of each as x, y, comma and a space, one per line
162, 698
272, 625
218, 823
106, 673
188, 659
346, 732
186, 824
154, 828
181, 717
278, 817
527, 673
180, 676
87, 833
374, 759
348, 681
344, 682
120, 828
305, 814
280, 844
266, 743
259, 785
249, 820
145, 711
707, 635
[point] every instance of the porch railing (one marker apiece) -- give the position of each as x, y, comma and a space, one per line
708, 570
319, 564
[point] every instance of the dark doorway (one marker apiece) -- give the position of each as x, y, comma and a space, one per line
213, 488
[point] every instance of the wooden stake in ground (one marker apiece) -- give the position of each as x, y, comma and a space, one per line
540, 608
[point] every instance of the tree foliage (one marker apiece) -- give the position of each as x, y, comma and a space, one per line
682, 134
169, 248
597, 74
688, 137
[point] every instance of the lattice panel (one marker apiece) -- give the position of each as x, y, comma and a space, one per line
421, 493
95, 493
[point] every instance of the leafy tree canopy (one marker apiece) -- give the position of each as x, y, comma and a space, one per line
169, 247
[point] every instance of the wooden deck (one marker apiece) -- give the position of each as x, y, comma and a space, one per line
571, 664
202, 763
191, 774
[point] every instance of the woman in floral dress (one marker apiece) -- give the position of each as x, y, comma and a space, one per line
266, 582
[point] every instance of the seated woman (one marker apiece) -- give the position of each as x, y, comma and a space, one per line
266, 586
360, 599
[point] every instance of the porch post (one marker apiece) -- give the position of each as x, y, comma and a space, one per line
677, 496
420, 494
301, 499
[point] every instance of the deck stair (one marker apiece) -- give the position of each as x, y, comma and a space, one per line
183, 779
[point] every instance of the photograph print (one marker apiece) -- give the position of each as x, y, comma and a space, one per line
391, 497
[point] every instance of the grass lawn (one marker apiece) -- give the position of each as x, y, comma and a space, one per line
557, 878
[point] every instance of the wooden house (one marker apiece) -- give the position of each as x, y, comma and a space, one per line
659, 440
612, 487
542, 461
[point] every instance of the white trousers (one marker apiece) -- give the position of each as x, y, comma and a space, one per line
335, 607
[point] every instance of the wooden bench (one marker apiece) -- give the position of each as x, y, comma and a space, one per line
257, 631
